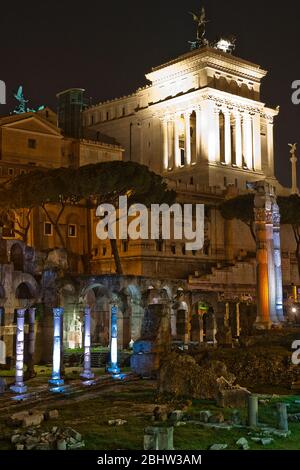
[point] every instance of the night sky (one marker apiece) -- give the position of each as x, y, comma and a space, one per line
106, 47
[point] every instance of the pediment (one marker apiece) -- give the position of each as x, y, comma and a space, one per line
34, 124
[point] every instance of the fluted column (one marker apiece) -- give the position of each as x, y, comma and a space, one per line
270, 147
238, 140
227, 134
187, 122
198, 134
87, 372
31, 347
56, 378
215, 149
277, 261
176, 143
19, 386
165, 144
247, 140
113, 367
256, 142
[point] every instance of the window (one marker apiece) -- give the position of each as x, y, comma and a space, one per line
107, 115
123, 111
173, 249
124, 246
11, 172
22, 172
31, 143
48, 229
104, 250
72, 230
183, 250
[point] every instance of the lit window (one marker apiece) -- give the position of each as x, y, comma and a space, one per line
48, 229
72, 230
31, 143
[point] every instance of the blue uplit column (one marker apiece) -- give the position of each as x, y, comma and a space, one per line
277, 261
113, 366
56, 379
87, 373
19, 386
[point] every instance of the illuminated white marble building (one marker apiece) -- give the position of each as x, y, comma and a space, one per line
200, 121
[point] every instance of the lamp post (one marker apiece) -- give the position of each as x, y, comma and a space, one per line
113, 367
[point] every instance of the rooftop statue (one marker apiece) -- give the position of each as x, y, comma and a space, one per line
201, 29
22, 103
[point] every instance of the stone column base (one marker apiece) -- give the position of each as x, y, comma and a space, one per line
18, 388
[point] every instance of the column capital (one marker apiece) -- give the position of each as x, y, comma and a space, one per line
58, 312
21, 312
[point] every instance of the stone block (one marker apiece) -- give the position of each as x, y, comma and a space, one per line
51, 414
61, 444
34, 419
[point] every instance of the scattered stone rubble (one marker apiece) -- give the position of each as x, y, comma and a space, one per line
116, 422
37, 439
30, 436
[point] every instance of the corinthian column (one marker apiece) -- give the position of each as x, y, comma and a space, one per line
256, 142
187, 121
238, 140
198, 134
227, 134
265, 256
176, 143
19, 386
277, 261
87, 372
247, 140
215, 150
56, 378
165, 144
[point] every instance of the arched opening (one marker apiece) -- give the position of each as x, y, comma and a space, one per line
23, 292
2, 292
16, 257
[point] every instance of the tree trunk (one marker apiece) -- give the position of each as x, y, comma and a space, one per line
115, 252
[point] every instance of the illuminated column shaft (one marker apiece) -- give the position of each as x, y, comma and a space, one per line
198, 134
215, 149
262, 288
19, 386
113, 366
165, 144
209, 132
271, 270
187, 121
247, 141
238, 140
270, 147
227, 138
176, 143
87, 372
171, 156
277, 262
257, 142
56, 379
